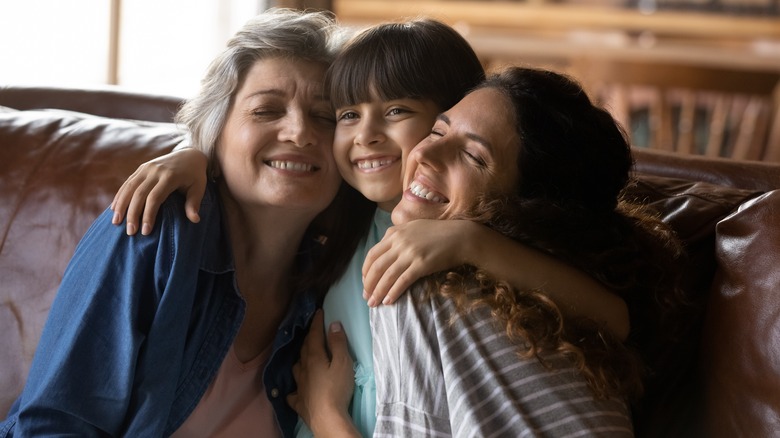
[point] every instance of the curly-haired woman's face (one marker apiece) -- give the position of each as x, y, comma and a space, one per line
472, 150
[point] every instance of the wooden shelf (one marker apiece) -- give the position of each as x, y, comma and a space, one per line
558, 32
528, 16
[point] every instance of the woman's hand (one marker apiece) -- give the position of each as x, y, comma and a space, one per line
325, 384
148, 187
411, 251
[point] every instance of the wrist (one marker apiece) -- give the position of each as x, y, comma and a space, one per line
333, 422
479, 238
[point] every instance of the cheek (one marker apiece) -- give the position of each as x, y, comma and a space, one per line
413, 135
341, 156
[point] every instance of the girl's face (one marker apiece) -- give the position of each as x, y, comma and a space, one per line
372, 142
275, 149
472, 150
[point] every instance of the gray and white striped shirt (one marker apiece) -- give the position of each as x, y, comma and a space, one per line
438, 377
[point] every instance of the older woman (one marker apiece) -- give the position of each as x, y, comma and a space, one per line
463, 354
192, 330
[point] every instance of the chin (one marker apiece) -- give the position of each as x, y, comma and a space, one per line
401, 215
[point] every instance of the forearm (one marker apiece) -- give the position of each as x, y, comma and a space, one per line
575, 293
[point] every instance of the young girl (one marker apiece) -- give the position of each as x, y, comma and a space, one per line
388, 85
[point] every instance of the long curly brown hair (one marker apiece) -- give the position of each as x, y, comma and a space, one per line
574, 163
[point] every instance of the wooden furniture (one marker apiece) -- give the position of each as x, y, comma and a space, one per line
690, 109
720, 67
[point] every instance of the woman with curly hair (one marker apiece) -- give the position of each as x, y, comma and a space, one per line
529, 155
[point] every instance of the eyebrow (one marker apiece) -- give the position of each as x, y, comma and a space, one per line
479, 139
280, 93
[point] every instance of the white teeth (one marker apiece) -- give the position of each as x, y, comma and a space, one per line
290, 165
418, 190
373, 164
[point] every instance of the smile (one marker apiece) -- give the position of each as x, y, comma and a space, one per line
421, 191
374, 164
291, 165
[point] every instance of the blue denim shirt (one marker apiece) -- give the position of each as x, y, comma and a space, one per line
139, 328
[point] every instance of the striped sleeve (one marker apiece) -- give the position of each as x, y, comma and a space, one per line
440, 374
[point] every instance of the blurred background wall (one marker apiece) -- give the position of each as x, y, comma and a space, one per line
696, 76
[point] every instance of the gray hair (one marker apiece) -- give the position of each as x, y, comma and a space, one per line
310, 36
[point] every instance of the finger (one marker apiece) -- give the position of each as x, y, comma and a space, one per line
137, 203
386, 281
194, 198
314, 343
379, 248
151, 207
337, 342
292, 400
296, 371
374, 253
159, 190
122, 199
402, 284
378, 269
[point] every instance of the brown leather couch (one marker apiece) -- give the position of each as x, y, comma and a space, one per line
59, 169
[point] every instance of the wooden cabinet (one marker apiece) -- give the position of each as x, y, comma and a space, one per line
556, 32
705, 52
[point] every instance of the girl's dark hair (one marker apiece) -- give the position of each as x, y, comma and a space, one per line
420, 59
574, 163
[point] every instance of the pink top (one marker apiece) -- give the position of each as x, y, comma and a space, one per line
235, 403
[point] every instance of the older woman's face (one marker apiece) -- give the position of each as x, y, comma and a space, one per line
275, 149
471, 150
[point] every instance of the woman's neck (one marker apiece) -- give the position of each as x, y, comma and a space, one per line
265, 242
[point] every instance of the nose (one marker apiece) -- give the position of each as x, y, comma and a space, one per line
433, 154
369, 132
299, 129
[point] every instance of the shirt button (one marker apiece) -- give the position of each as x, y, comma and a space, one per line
275, 392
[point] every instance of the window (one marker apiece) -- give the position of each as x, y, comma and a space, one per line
163, 47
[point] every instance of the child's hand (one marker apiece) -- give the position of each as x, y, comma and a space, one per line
325, 384
411, 251
148, 187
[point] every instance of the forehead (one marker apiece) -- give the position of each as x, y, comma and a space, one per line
284, 75
488, 114
472, 109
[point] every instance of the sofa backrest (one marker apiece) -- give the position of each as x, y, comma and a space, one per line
108, 101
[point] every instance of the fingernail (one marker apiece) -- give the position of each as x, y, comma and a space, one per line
131, 229
115, 219
372, 302
365, 294
146, 229
335, 327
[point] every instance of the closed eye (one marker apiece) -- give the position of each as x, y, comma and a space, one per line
476, 159
266, 113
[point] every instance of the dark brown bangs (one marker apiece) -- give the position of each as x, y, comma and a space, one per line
359, 76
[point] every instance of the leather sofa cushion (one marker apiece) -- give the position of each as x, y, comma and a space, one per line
741, 353
59, 171
672, 405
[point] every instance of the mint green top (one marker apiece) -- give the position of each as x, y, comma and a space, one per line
344, 302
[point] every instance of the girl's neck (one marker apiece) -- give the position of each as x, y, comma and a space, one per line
388, 206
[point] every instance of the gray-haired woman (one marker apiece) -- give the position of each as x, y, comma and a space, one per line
193, 329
